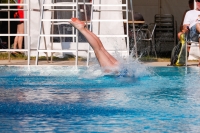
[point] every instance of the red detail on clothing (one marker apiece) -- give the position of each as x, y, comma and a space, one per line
20, 12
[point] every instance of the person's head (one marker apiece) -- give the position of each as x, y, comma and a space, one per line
198, 4
191, 4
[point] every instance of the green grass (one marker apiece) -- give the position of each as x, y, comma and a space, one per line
6, 1
153, 59
5, 56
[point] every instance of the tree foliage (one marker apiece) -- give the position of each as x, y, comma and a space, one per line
6, 1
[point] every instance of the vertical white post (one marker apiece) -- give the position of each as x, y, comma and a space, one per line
186, 49
127, 28
91, 17
76, 35
52, 30
28, 30
85, 11
41, 26
9, 30
132, 15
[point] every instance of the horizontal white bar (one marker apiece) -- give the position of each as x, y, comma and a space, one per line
64, 50
61, 4
12, 50
13, 10
122, 51
55, 9
13, 4
112, 35
13, 19
66, 4
61, 20
110, 5
59, 23
86, 3
59, 35
96, 10
74, 4
14, 35
122, 20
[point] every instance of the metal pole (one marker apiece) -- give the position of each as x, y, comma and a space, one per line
132, 15
127, 28
52, 31
85, 11
43, 30
91, 17
186, 50
99, 26
9, 30
28, 30
76, 36
41, 26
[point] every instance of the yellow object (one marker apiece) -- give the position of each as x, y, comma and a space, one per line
181, 56
177, 64
182, 38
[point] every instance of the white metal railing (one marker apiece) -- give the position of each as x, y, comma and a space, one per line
126, 10
26, 19
53, 21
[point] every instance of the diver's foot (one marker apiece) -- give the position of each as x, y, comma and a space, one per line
77, 23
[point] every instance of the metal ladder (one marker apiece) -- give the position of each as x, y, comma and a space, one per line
26, 20
126, 10
54, 21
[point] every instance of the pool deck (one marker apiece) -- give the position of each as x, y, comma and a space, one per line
82, 63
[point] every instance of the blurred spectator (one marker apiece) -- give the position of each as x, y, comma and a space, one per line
20, 27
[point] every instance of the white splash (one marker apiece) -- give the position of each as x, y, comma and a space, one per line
129, 67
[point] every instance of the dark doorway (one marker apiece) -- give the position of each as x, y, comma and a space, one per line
4, 25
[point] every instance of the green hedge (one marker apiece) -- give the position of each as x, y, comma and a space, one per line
6, 1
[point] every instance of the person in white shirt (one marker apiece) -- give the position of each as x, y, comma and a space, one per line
192, 22
191, 6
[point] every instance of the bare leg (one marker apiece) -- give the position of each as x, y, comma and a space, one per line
19, 39
104, 58
102, 47
15, 42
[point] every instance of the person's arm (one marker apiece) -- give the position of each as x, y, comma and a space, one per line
181, 27
183, 31
186, 22
21, 2
185, 28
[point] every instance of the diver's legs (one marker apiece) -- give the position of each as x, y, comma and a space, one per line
104, 58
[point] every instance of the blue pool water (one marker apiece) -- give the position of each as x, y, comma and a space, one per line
66, 99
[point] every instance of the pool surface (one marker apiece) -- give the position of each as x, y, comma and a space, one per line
66, 99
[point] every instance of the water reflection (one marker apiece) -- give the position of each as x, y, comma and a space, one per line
167, 101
